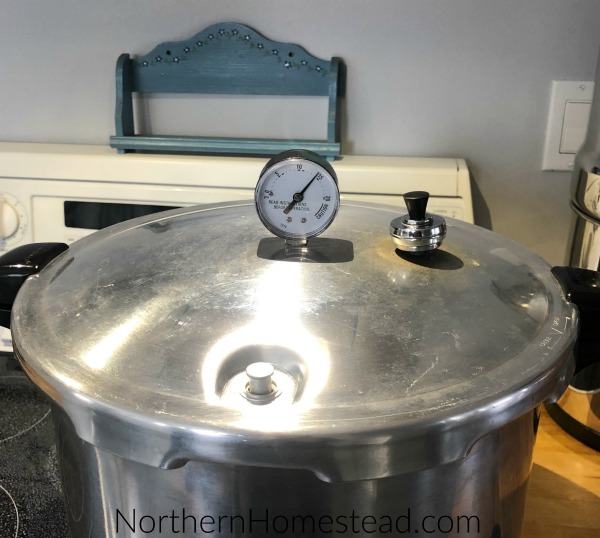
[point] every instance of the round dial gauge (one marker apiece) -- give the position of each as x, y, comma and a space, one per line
297, 195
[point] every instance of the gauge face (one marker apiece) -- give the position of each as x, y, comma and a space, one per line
297, 196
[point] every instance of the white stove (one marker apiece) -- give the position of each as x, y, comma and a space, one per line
58, 192
65, 192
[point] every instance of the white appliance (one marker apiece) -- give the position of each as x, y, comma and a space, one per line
58, 192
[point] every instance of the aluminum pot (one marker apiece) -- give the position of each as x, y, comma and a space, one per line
205, 381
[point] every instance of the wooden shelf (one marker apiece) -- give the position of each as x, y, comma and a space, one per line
231, 59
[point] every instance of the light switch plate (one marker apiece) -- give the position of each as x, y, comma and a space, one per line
561, 136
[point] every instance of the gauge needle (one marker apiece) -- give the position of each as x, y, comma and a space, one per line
299, 196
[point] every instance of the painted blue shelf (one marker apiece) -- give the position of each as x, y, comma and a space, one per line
233, 59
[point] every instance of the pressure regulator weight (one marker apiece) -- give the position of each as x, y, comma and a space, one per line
297, 195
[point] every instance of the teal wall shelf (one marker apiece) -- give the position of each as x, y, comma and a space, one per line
232, 59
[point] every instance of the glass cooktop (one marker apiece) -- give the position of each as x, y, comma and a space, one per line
31, 501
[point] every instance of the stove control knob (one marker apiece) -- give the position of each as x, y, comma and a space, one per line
418, 231
9, 219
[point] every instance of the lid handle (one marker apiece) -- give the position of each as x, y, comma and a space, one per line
17, 266
582, 288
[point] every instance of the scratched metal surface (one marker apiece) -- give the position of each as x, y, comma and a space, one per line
149, 322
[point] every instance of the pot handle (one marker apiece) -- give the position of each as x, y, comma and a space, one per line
582, 288
19, 264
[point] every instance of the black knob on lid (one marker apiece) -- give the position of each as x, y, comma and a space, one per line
417, 231
416, 203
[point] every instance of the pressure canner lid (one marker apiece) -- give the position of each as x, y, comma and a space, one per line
195, 334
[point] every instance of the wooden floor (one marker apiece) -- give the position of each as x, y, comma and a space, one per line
564, 489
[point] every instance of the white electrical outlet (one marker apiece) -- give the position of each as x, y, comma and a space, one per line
568, 118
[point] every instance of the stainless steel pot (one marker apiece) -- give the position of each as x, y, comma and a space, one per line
205, 380
578, 410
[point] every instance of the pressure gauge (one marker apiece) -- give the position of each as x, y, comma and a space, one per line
297, 195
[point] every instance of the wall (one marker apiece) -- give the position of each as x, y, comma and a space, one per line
464, 78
